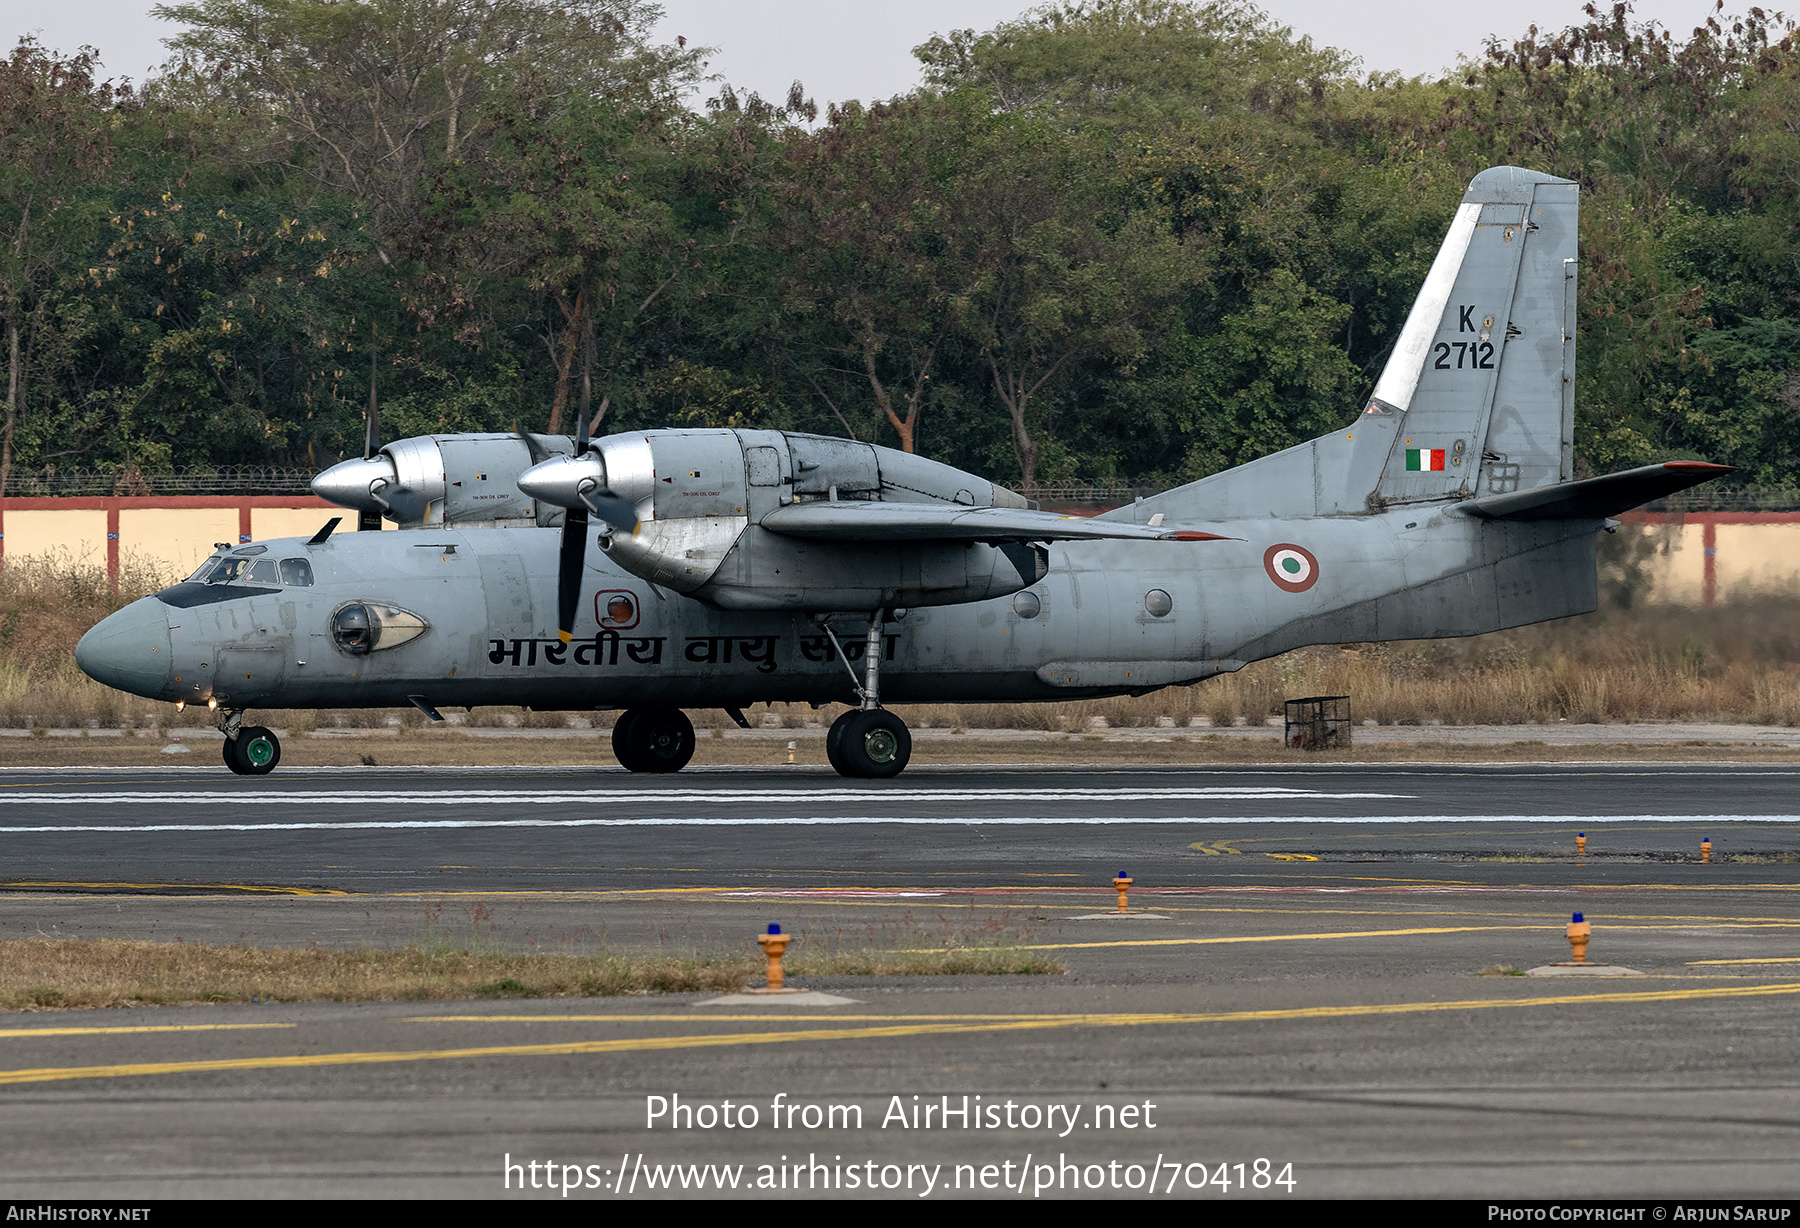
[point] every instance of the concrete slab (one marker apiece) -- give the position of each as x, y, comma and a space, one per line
803, 998
1582, 970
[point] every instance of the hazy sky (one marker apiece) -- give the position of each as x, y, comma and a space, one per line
863, 48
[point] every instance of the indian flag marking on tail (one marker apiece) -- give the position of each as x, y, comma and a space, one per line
1419, 460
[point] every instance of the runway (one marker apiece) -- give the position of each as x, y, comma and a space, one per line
1316, 978
514, 829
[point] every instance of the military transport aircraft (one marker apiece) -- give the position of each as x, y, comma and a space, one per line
655, 570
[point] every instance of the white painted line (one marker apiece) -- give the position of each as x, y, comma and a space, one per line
884, 821
615, 797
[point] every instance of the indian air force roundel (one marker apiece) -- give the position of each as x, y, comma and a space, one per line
1291, 567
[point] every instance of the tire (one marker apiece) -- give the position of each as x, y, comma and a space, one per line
256, 751
621, 740
874, 745
659, 740
231, 761
834, 741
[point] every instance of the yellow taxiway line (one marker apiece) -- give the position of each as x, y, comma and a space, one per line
48, 1074
1197, 942
20, 1033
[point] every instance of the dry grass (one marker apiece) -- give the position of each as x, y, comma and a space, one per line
1737, 663
38, 974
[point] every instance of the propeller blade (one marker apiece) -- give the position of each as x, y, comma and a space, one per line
371, 427
615, 510
369, 519
570, 558
572, 554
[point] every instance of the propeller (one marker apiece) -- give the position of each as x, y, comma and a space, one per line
577, 483
370, 518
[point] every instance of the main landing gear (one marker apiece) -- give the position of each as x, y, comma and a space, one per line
249, 750
654, 739
869, 742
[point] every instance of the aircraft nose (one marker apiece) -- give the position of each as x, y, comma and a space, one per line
129, 650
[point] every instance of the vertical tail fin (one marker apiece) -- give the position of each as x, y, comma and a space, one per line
1479, 395
1482, 379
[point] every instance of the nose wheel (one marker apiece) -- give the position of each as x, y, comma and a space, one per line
253, 752
656, 739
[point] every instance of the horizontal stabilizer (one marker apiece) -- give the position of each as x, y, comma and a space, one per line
1597, 498
889, 522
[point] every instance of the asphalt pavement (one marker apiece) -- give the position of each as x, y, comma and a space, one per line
1315, 986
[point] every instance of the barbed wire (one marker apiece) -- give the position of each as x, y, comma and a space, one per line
229, 480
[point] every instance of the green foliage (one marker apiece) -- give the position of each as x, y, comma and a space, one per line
1128, 239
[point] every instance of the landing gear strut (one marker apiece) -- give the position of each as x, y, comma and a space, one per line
249, 750
869, 742
655, 739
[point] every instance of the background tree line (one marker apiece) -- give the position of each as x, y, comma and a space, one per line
1136, 240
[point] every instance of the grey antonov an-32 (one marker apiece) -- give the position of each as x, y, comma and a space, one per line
743, 565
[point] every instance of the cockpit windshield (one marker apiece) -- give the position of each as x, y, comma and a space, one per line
295, 573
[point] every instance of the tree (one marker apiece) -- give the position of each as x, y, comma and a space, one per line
1137, 65
861, 214
54, 142
559, 203
363, 90
1057, 268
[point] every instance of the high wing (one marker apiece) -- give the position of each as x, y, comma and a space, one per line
888, 522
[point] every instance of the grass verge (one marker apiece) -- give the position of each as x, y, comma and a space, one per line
42, 974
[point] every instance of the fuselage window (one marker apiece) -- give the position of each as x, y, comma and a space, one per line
297, 573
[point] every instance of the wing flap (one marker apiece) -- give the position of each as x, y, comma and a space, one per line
887, 522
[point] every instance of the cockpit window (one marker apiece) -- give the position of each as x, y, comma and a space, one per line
295, 573
225, 571
200, 572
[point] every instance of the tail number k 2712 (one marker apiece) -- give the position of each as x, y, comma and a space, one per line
1479, 355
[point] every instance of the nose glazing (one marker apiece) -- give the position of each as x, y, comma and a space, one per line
129, 650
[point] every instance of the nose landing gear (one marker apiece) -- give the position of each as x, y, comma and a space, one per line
249, 750
654, 739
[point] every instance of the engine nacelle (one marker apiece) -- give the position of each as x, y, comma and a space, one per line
701, 494
457, 480
699, 497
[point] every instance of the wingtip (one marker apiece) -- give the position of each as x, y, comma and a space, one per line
1193, 535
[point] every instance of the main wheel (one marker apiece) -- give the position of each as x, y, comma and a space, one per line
231, 761
834, 741
254, 752
621, 740
873, 745
659, 739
